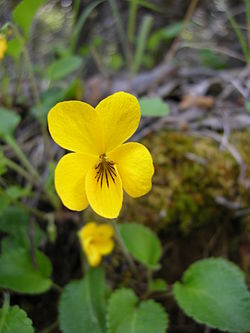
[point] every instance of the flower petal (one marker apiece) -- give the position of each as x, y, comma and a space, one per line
70, 176
88, 230
119, 116
105, 200
103, 240
135, 166
93, 255
74, 125
105, 247
105, 231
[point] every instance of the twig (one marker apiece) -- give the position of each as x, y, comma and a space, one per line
214, 48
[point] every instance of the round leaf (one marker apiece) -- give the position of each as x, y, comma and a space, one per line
82, 304
15, 320
142, 243
125, 316
213, 292
8, 123
18, 273
153, 107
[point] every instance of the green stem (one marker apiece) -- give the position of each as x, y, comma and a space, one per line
131, 20
76, 7
38, 213
240, 36
18, 169
84, 262
247, 3
124, 249
121, 32
5, 309
33, 180
50, 328
141, 42
23, 159
33, 87
57, 287
149, 276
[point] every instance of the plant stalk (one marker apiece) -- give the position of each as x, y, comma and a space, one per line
23, 159
34, 88
18, 169
124, 249
5, 309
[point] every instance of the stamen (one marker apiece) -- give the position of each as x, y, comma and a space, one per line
104, 170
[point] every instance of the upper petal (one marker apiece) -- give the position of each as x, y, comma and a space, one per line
106, 198
135, 166
70, 176
119, 116
74, 125
88, 230
105, 231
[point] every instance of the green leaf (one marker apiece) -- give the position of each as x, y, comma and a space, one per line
153, 107
4, 203
3, 167
141, 42
15, 320
81, 21
18, 273
125, 315
24, 13
210, 59
142, 243
247, 105
213, 292
73, 90
157, 285
166, 34
15, 222
14, 48
63, 67
16, 192
82, 304
8, 123
49, 99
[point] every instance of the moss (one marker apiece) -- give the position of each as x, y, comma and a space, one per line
190, 173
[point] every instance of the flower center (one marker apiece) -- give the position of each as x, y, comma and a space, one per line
105, 170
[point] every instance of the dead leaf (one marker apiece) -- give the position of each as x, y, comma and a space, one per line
203, 102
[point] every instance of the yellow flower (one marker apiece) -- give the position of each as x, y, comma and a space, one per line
96, 241
3, 46
101, 165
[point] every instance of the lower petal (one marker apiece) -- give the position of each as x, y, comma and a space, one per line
93, 255
105, 246
135, 166
104, 197
70, 176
